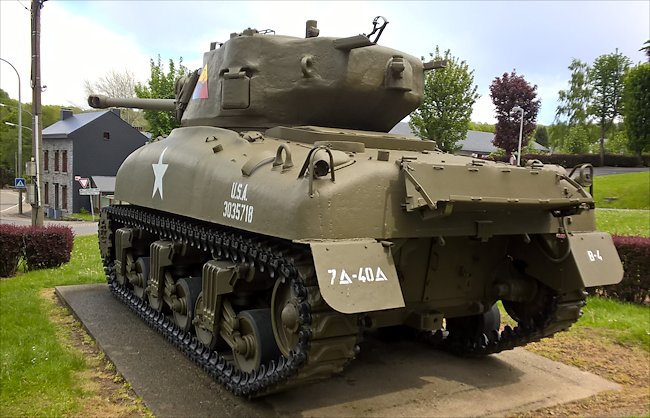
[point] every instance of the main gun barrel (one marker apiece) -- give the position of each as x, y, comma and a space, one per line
99, 101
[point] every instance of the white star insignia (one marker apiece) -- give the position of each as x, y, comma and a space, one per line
159, 172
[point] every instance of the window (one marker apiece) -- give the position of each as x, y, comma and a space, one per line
56, 161
46, 160
46, 198
107, 135
64, 161
64, 197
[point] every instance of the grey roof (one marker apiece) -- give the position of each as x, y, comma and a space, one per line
402, 128
65, 127
105, 184
479, 142
476, 141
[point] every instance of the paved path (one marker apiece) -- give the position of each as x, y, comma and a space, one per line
607, 171
398, 379
9, 215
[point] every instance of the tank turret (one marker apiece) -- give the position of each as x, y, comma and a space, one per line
258, 80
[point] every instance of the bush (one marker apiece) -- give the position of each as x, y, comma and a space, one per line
47, 247
635, 286
646, 160
572, 160
41, 247
11, 248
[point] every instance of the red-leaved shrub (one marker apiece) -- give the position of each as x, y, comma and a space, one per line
635, 286
11, 248
47, 247
40, 247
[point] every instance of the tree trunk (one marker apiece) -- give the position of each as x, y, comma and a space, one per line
602, 144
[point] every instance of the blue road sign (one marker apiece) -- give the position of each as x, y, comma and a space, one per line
20, 183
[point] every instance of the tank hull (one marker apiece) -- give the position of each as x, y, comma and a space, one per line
366, 200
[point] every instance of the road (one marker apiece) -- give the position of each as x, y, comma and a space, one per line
606, 171
9, 215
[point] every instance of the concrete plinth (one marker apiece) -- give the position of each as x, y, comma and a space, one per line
403, 378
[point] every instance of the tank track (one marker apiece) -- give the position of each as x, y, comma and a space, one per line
561, 312
317, 354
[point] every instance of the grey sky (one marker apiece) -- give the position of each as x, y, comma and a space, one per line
538, 39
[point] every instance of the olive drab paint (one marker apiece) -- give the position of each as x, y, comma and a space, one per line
281, 219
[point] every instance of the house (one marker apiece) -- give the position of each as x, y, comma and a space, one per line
476, 143
83, 145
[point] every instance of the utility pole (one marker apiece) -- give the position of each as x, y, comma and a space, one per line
37, 139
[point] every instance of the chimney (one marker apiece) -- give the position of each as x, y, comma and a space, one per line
66, 113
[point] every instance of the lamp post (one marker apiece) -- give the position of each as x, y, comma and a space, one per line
18, 126
19, 168
518, 109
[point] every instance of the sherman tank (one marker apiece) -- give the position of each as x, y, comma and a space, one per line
281, 221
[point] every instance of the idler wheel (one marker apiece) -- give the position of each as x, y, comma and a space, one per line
285, 317
470, 327
187, 291
529, 313
256, 345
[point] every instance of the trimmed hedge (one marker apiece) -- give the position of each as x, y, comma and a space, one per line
635, 286
40, 247
572, 160
11, 248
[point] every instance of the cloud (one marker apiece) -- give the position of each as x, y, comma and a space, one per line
483, 110
73, 49
84, 40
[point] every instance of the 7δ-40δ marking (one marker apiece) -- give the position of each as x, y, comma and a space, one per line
365, 275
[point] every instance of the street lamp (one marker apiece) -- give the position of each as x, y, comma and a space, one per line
19, 169
518, 109
18, 126
24, 110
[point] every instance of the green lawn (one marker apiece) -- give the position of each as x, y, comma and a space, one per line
624, 222
631, 191
37, 374
86, 216
626, 323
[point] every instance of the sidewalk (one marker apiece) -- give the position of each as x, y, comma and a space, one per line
78, 227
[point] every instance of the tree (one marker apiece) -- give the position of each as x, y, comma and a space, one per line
120, 85
482, 127
161, 85
606, 79
507, 92
646, 49
576, 140
449, 94
573, 103
636, 101
541, 136
9, 133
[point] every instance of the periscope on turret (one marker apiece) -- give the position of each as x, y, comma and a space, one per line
281, 220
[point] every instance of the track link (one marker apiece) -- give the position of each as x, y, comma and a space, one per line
317, 354
562, 311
